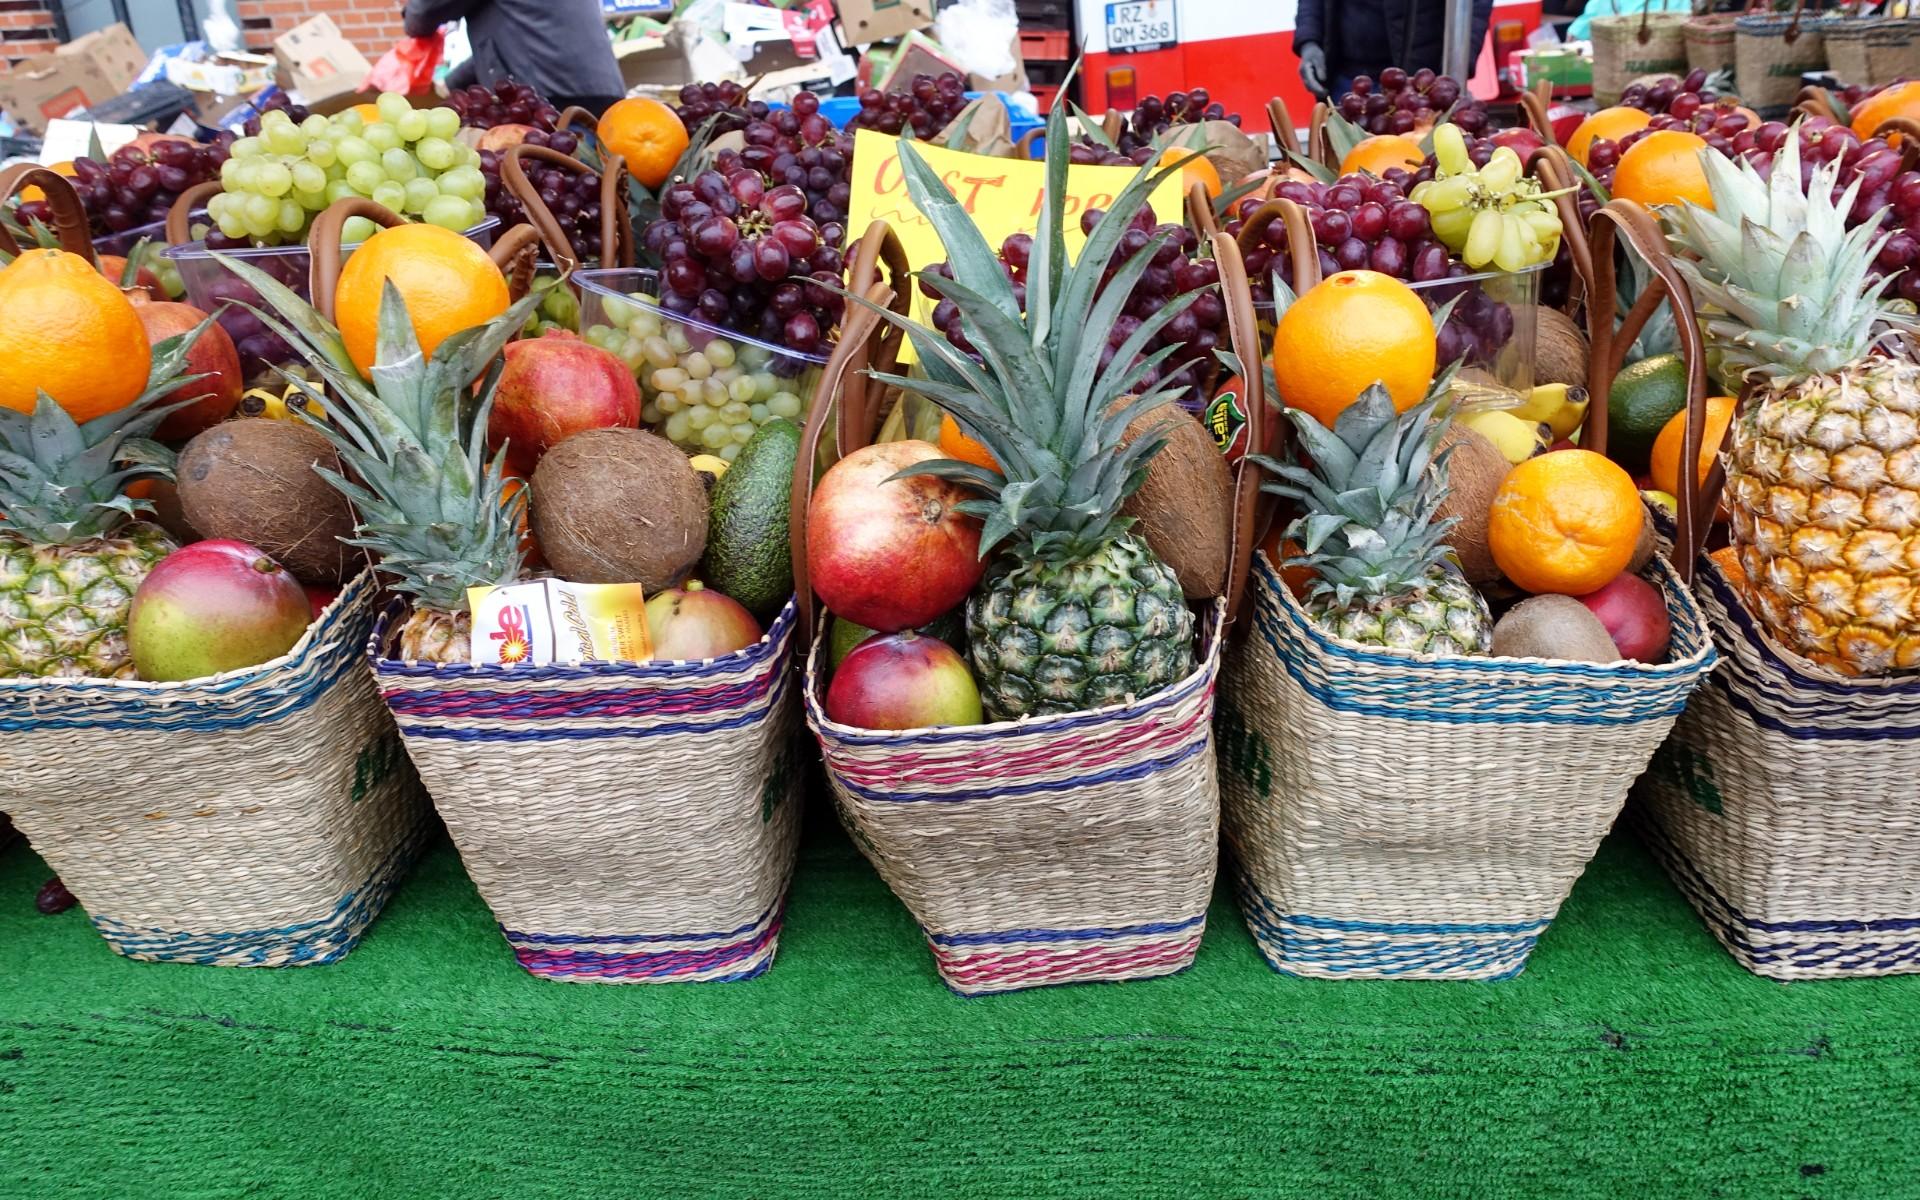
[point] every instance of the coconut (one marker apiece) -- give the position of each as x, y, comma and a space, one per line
1184, 507
1475, 470
619, 506
253, 481
1557, 627
1233, 154
1559, 348
164, 495
1647, 546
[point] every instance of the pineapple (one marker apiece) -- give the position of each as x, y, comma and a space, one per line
437, 515
1075, 612
72, 551
1823, 469
1382, 576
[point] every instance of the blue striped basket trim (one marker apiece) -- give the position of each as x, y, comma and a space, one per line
1482, 691
1296, 944
306, 943
712, 957
236, 700
769, 699
1763, 947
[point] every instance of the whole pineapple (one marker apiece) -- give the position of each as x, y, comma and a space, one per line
1823, 469
437, 515
1076, 612
1369, 492
72, 551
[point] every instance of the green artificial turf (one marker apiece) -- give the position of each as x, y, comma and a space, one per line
1632, 1059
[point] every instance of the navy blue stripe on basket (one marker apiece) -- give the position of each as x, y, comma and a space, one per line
1063, 935
603, 733
1489, 951
572, 939
1405, 927
1139, 770
463, 704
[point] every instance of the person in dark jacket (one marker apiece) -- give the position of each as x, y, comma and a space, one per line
559, 48
1336, 41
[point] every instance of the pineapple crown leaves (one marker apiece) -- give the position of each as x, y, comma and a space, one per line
1037, 397
1783, 280
63, 482
429, 501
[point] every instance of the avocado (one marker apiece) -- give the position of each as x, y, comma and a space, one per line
747, 555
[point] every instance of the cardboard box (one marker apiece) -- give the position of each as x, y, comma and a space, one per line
223, 74
316, 61
877, 20
919, 55
652, 63
114, 51
51, 86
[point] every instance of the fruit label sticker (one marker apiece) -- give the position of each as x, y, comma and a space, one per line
1004, 196
546, 621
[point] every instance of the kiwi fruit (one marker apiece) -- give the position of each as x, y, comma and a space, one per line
253, 481
1559, 348
1557, 627
1475, 470
1184, 508
619, 506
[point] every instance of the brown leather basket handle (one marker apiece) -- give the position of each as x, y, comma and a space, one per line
1300, 244
180, 213
1535, 107
572, 113
323, 244
1200, 211
1609, 347
1243, 331
1024, 147
1281, 122
862, 399
1816, 101
1319, 144
1909, 131
69, 215
855, 333
517, 253
1554, 169
616, 228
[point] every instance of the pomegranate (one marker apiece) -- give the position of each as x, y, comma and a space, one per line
214, 606
1520, 138
114, 267
890, 554
213, 356
691, 623
1635, 616
903, 681
552, 388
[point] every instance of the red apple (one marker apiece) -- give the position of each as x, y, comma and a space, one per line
890, 555
212, 356
693, 624
214, 606
552, 388
1523, 140
114, 267
319, 598
903, 681
1635, 615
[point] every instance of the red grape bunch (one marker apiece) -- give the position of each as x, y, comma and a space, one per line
929, 105
573, 197
1672, 95
278, 102
1174, 271
136, 187
746, 257
1400, 103
1152, 117
800, 148
724, 103
506, 103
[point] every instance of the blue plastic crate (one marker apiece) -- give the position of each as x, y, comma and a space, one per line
841, 110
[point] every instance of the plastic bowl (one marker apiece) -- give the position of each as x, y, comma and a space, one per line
707, 389
210, 285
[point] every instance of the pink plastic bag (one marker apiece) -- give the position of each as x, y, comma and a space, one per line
408, 67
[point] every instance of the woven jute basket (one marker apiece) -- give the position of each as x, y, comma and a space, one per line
1049, 850
1418, 816
1629, 45
626, 822
1709, 39
1872, 51
1771, 53
258, 818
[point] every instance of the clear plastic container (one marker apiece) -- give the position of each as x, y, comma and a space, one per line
707, 389
209, 285
1493, 325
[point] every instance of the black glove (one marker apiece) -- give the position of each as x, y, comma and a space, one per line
1313, 68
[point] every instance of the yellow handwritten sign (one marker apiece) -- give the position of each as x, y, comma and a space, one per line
1003, 195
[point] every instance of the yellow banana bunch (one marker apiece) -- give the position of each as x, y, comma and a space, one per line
278, 406
1494, 215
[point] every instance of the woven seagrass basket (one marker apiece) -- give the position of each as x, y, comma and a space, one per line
626, 822
1049, 850
1423, 817
258, 818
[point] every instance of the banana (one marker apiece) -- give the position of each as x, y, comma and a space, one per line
1516, 439
708, 464
1541, 403
1570, 415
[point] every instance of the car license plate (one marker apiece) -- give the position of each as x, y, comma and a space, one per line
1141, 25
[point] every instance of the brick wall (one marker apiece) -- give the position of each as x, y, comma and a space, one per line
26, 27
372, 25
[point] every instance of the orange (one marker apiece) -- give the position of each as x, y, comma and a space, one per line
529, 547
1279, 548
1665, 460
1566, 521
1194, 168
65, 329
1727, 558
1354, 329
1899, 100
1609, 123
31, 193
958, 445
448, 283
648, 134
1663, 168
1378, 154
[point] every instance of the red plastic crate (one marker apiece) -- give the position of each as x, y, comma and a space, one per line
1046, 45
1043, 96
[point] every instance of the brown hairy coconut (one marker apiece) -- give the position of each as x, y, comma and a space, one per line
1184, 507
619, 506
1474, 472
253, 480
1560, 348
